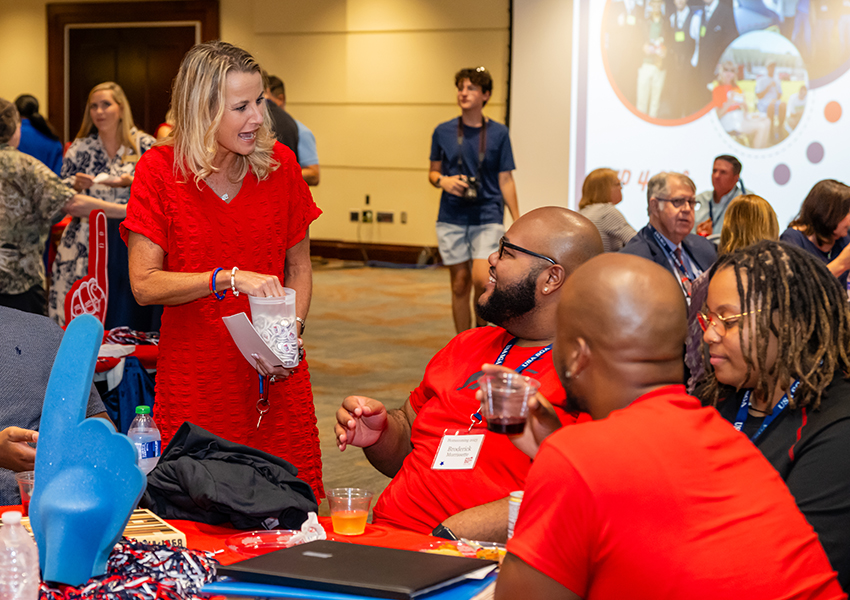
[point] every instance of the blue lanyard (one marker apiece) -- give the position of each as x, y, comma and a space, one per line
711, 201
743, 411
476, 416
537, 355
685, 279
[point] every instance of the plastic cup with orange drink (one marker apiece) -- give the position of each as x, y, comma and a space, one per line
349, 510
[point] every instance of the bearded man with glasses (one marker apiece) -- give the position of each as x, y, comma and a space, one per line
667, 239
430, 492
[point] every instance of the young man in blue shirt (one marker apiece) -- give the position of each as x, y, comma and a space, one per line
472, 163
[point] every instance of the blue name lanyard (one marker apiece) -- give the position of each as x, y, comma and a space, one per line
476, 416
537, 355
679, 264
711, 200
743, 411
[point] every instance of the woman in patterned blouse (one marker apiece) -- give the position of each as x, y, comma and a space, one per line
102, 161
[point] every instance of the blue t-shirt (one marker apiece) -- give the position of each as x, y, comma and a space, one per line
798, 238
38, 145
307, 154
498, 157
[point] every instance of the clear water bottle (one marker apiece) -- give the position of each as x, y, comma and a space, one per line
19, 576
145, 435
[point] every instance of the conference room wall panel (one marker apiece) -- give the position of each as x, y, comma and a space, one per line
323, 16
367, 135
344, 189
372, 78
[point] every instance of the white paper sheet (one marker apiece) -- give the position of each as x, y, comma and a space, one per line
248, 340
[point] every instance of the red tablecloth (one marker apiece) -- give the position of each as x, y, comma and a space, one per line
201, 536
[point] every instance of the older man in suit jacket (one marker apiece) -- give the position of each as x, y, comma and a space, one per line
667, 239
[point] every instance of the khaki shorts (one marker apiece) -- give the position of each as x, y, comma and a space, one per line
462, 243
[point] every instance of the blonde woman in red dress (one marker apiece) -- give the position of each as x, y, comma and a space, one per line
219, 212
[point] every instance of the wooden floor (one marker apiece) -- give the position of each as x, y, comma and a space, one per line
370, 332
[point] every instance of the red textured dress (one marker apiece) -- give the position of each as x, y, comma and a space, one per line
201, 375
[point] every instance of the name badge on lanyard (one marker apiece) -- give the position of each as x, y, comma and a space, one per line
458, 452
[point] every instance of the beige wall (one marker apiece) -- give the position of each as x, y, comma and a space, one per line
371, 78
23, 49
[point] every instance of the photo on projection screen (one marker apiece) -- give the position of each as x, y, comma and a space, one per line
667, 85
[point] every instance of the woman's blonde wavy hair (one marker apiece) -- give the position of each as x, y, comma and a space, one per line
197, 102
126, 136
749, 219
596, 188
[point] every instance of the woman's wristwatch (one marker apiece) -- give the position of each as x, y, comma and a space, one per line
303, 324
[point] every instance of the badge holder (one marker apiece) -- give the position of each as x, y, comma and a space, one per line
459, 451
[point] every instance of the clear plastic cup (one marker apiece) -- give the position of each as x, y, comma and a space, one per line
25, 480
274, 320
505, 404
349, 510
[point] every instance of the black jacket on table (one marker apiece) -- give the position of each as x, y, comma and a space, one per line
699, 249
811, 451
202, 477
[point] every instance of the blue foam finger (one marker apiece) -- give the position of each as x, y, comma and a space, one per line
87, 482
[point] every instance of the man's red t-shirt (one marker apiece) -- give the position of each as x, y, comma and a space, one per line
420, 498
664, 499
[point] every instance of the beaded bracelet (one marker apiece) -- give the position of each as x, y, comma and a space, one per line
233, 281
212, 286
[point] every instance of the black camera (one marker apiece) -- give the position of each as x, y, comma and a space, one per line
471, 192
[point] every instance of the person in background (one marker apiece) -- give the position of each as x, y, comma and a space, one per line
796, 107
472, 163
667, 240
206, 228
308, 157
821, 227
726, 183
283, 125
777, 327
600, 193
749, 219
38, 137
713, 28
652, 73
30, 195
165, 128
657, 496
731, 106
769, 93
681, 49
622, 41
108, 146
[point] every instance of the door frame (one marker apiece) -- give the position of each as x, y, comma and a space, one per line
61, 18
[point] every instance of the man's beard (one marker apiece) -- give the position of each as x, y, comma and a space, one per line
509, 303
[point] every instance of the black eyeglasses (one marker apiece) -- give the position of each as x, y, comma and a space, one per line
680, 202
503, 243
